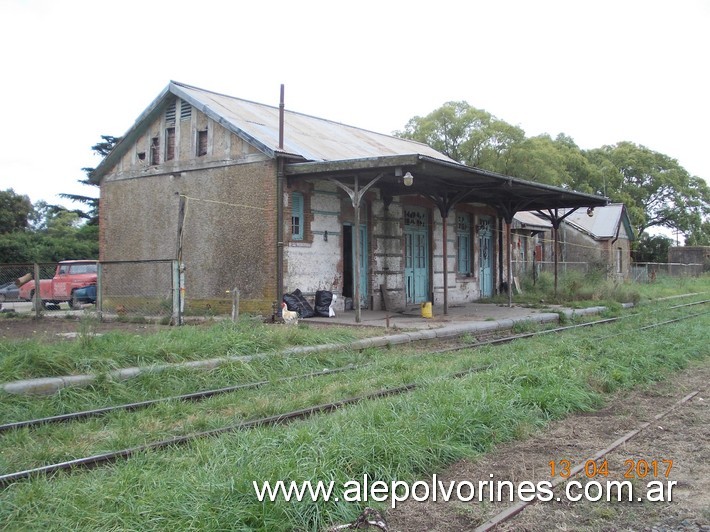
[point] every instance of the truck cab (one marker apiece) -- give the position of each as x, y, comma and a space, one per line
69, 276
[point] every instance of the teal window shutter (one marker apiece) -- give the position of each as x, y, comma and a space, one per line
463, 241
296, 216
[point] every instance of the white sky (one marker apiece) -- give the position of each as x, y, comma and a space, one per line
600, 71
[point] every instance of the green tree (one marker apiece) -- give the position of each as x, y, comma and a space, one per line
699, 234
102, 148
558, 162
649, 248
657, 191
468, 135
15, 211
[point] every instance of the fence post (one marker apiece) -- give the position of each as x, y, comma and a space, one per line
235, 305
175, 318
38, 294
99, 291
181, 306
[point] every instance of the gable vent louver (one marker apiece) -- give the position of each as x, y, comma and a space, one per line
185, 111
170, 115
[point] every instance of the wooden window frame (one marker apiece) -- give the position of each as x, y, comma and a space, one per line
464, 244
298, 229
169, 143
155, 151
202, 142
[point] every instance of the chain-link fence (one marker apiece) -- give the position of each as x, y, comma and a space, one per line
135, 290
17, 285
123, 290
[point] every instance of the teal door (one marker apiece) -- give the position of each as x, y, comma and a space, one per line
485, 255
355, 265
361, 266
416, 255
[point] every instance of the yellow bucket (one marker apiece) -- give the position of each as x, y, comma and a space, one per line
426, 309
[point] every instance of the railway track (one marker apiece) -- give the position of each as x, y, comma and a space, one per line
109, 457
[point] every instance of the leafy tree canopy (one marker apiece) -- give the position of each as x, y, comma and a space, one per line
468, 135
103, 148
15, 211
656, 190
652, 248
699, 234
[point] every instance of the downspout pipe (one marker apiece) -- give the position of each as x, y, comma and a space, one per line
280, 205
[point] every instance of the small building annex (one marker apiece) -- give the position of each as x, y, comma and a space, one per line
270, 200
601, 239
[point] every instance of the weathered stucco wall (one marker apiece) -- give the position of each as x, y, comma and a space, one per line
600, 254
229, 224
317, 264
314, 263
690, 255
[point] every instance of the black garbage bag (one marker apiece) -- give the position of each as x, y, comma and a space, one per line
296, 302
323, 300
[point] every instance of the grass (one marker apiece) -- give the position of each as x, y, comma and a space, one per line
581, 290
22, 359
207, 485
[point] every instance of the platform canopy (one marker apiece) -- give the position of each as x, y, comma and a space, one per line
446, 183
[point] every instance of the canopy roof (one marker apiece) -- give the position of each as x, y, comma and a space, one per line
447, 183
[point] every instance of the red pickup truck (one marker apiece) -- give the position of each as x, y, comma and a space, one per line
70, 275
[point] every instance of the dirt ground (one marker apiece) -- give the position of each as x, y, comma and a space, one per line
60, 328
682, 436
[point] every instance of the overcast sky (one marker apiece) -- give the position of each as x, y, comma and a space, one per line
599, 71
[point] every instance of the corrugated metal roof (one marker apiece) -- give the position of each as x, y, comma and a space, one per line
314, 139
603, 223
529, 219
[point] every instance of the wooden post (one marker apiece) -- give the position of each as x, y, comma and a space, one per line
356, 258
235, 305
356, 196
446, 266
555, 238
508, 235
38, 294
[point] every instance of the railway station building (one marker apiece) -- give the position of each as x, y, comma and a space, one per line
270, 200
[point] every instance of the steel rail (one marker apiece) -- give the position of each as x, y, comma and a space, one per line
278, 419
195, 396
91, 461
205, 394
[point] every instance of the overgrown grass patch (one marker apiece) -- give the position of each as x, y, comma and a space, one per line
32, 358
207, 485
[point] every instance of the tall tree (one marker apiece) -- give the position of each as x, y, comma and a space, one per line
558, 162
468, 135
102, 148
651, 248
657, 191
699, 234
15, 211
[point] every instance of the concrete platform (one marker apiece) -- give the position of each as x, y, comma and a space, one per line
412, 317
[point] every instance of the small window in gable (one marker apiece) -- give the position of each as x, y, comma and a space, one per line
185, 110
201, 143
155, 151
141, 156
170, 144
170, 114
296, 216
